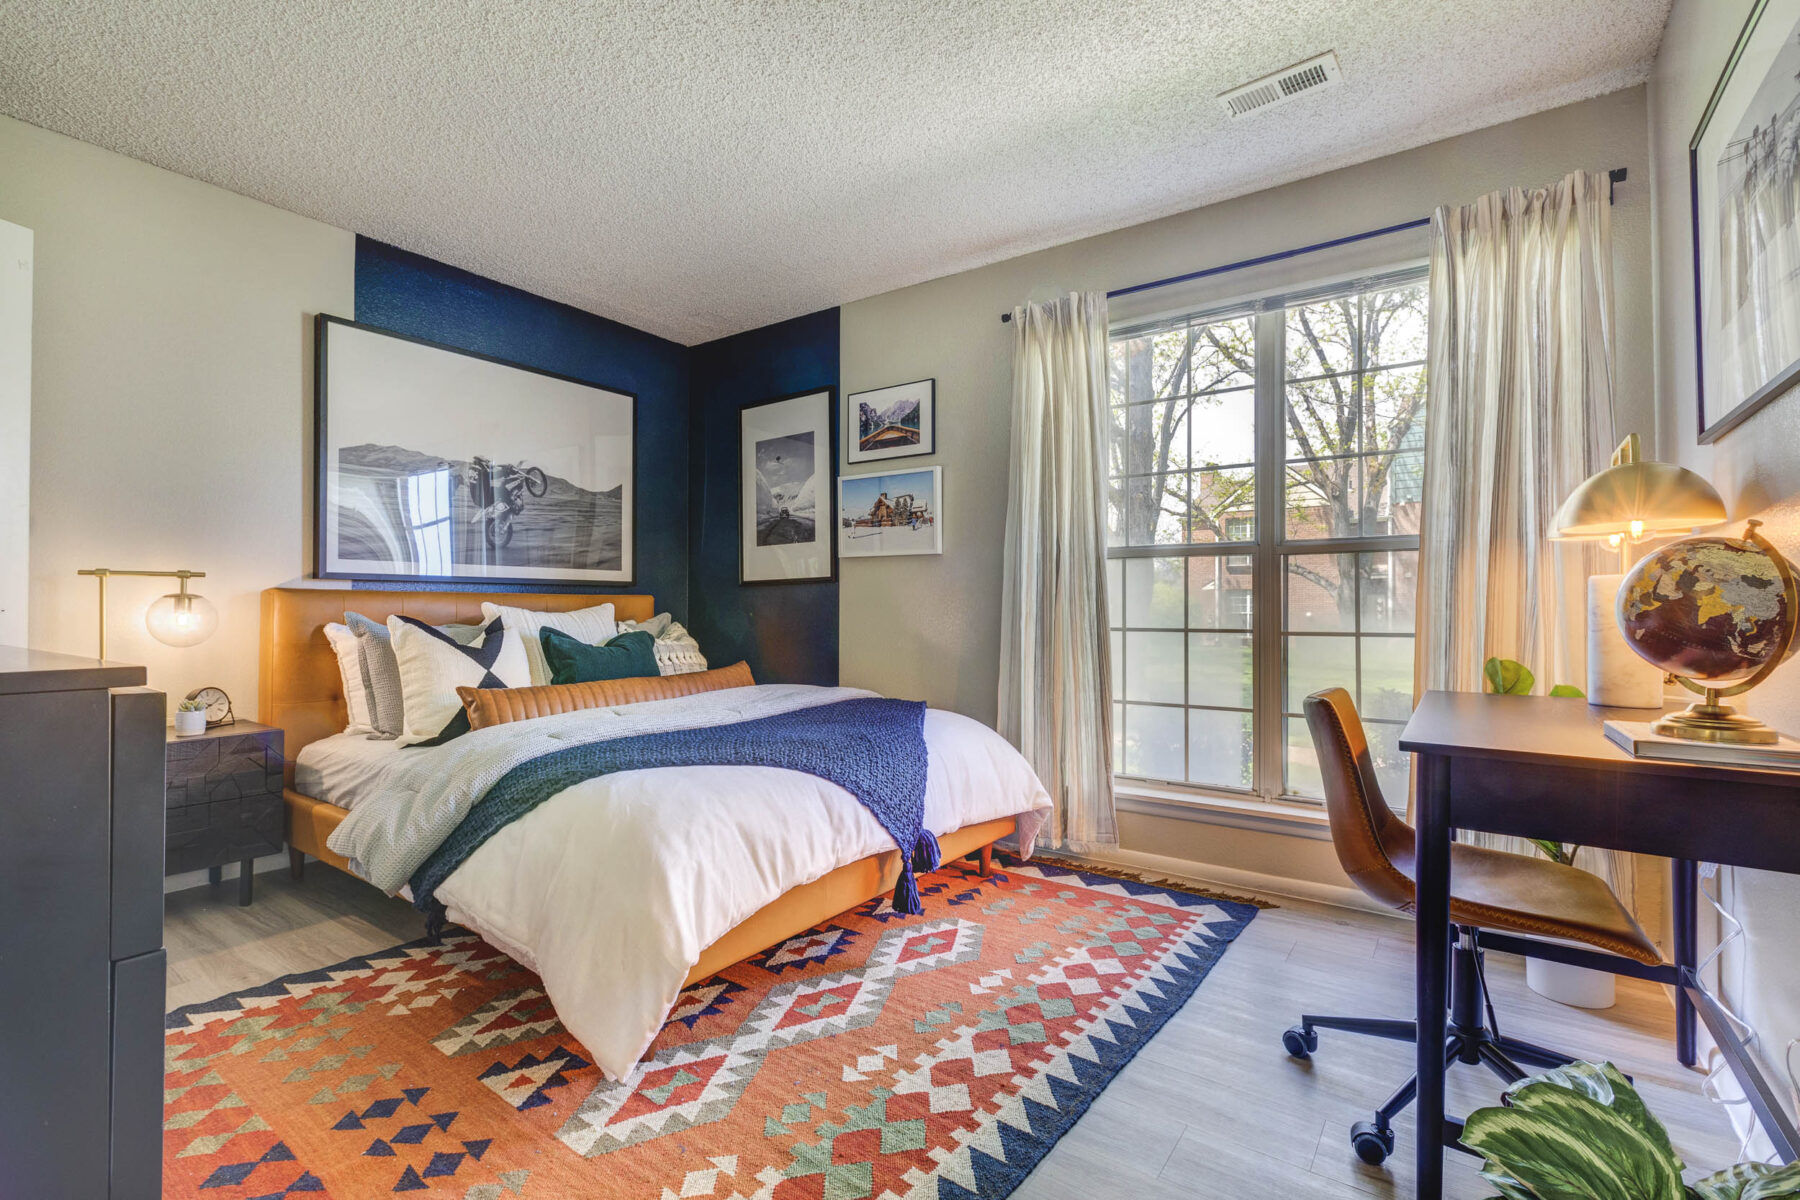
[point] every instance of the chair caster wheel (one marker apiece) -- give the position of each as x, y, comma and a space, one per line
1300, 1043
1372, 1145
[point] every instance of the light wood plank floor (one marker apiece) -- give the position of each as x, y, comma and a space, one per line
1211, 1107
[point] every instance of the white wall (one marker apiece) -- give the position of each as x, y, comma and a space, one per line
934, 623
171, 407
15, 432
1756, 467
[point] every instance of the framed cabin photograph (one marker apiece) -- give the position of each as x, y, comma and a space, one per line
787, 459
898, 512
440, 465
892, 422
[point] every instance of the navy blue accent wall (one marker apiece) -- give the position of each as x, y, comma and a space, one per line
415, 295
788, 633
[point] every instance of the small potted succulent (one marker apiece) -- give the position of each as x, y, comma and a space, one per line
190, 718
1582, 1131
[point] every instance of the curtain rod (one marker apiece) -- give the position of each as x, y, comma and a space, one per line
1614, 177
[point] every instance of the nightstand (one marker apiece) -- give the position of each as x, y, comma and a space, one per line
224, 800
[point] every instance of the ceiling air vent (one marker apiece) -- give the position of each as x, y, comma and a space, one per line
1284, 85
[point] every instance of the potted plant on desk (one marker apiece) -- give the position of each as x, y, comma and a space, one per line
1580, 987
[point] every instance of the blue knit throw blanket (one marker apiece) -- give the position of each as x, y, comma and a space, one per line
872, 748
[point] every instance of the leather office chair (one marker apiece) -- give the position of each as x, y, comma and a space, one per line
1490, 889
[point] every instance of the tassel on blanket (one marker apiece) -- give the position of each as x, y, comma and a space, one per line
906, 893
926, 856
926, 853
436, 917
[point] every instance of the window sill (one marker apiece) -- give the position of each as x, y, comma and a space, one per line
1288, 820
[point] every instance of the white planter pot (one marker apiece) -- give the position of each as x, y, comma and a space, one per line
187, 724
1580, 987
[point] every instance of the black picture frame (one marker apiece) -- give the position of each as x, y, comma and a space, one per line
854, 455
1789, 375
825, 497
322, 324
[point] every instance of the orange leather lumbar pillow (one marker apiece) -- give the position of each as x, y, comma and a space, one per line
502, 706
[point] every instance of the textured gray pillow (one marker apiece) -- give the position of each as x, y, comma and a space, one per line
381, 670
656, 626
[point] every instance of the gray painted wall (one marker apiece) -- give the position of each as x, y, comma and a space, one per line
1756, 467
171, 406
929, 628
933, 624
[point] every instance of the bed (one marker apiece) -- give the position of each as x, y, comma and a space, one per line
301, 693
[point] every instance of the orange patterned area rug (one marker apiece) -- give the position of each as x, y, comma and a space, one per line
877, 1055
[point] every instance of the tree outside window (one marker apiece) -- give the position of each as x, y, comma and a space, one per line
1186, 482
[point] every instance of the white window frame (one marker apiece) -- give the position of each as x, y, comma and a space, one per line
1268, 555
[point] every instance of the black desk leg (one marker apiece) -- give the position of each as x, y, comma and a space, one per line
1432, 964
1684, 899
246, 880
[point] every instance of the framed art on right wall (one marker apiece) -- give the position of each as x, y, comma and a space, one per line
1744, 183
891, 422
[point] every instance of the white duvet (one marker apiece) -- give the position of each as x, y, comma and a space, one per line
611, 889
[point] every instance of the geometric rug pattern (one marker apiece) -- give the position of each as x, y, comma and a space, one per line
879, 1055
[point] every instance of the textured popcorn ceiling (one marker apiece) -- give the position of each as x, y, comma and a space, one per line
699, 167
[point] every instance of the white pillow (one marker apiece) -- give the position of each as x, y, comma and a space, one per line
594, 626
433, 666
356, 689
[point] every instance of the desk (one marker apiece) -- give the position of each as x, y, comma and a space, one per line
1536, 766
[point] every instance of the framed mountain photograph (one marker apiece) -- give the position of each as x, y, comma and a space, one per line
787, 460
892, 422
439, 465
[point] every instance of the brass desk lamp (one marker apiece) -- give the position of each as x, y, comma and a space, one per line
181, 618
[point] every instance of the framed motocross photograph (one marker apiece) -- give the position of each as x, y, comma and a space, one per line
439, 465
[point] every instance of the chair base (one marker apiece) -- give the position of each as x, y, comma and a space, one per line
1472, 1036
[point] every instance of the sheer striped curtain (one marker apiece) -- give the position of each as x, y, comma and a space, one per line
1520, 375
1055, 673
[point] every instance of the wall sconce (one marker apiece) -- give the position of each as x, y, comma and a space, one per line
181, 618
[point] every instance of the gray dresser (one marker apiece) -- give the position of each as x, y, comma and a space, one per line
81, 960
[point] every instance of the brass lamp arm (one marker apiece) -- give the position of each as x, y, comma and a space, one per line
105, 571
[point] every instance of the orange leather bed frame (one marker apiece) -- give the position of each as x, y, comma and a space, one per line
302, 694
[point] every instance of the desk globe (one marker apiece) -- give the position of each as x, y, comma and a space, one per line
1719, 614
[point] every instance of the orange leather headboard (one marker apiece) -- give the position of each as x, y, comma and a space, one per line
301, 691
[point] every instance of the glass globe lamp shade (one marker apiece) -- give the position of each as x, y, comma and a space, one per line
182, 619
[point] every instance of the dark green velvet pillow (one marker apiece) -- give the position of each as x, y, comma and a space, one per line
571, 660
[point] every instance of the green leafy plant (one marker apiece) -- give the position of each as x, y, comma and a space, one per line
192, 706
1508, 678
1582, 1132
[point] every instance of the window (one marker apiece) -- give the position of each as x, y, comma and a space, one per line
425, 507
1266, 479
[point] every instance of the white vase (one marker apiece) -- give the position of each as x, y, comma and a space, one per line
187, 724
1616, 676
1580, 987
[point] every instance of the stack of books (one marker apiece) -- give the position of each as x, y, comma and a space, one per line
1639, 740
